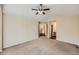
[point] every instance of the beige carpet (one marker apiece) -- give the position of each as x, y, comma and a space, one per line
42, 46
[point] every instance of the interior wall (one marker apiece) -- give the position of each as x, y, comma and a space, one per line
68, 29
42, 28
0, 29
18, 30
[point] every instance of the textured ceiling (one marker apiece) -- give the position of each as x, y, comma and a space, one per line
24, 10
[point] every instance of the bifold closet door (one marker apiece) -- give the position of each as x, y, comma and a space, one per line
0, 29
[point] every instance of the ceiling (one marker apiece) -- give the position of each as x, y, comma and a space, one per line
25, 10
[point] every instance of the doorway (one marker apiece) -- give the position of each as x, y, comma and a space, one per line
42, 29
47, 29
53, 30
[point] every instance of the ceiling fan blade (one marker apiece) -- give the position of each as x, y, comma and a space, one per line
36, 13
43, 13
41, 5
46, 9
35, 9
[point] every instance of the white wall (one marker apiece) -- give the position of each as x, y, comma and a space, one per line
68, 29
18, 30
0, 29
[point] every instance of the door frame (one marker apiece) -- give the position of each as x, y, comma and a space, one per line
1, 28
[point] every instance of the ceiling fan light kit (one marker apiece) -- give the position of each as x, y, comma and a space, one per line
41, 10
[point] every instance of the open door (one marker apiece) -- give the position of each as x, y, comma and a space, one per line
0, 29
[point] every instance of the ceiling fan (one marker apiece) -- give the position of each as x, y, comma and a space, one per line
41, 9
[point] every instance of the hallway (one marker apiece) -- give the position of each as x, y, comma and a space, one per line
42, 46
